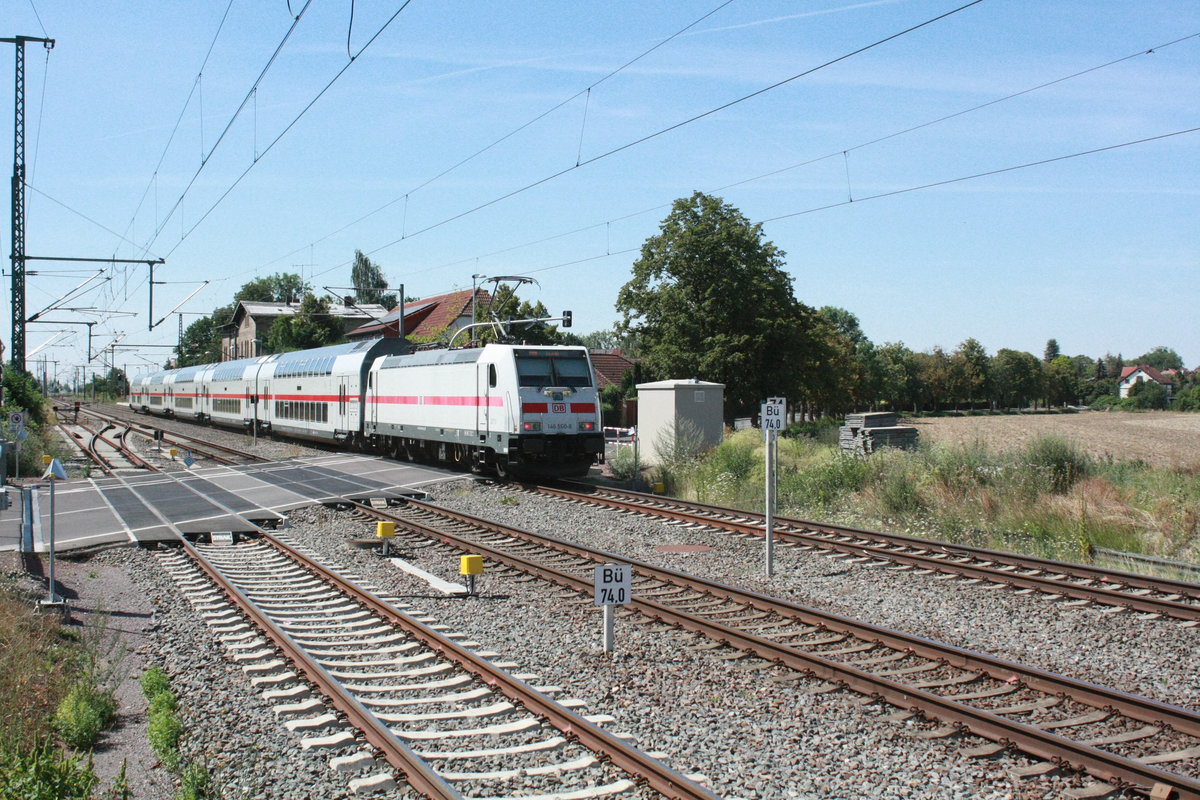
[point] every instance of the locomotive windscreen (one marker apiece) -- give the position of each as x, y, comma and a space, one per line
553, 368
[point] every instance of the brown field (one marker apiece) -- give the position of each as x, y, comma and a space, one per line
1160, 438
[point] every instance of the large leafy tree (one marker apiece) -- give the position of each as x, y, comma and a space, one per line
1159, 358
1018, 377
311, 326
282, 287
972, 371
370, 286
709, 299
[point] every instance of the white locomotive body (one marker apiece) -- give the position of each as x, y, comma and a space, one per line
509, 407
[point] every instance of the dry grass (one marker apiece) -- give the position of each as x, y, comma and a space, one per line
1163, 439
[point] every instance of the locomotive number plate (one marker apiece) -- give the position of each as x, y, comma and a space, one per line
559, 408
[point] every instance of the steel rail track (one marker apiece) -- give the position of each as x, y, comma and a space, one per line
1098, 585
645, 770
394, 751
1108, 766
219, 453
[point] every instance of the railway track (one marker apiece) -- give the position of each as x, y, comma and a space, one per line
108, 453
1076, 583
346, 668
1123, 740
197, 445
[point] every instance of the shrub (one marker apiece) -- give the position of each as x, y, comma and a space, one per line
43, 773
83, 713
164, 732
819, 485
623, 465
1059, 462
154, 681
164, 729
197, 783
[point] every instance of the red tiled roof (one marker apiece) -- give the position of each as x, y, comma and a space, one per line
610, 367
1152, 373
428, 316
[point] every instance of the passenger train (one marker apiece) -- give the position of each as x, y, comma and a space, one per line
510, 409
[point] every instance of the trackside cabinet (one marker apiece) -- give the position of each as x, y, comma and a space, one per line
687, 408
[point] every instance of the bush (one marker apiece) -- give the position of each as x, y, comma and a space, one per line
820, 485
164, 732
83, 713
164, 729
43, 773
1059, 462
623, 465
154, 681
197, 783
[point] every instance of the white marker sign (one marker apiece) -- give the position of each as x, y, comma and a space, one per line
614, 587
774, 412
614, 584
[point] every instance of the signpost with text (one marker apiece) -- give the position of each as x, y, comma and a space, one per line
773, 419
614, 587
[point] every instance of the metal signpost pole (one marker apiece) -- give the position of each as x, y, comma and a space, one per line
53, 584
771, 417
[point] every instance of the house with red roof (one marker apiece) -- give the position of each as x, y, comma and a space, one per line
429, 318
1131, 376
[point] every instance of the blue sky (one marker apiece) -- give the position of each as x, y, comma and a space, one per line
1099, 251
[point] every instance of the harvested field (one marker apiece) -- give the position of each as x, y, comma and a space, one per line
1160, 438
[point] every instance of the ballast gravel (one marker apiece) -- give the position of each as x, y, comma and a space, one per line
751, 736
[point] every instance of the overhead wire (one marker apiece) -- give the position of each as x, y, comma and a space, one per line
897, 192
229, 125
537, 118
289, 126
178, 121
663, 131
833, 154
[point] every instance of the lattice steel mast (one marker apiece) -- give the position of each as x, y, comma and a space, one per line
18, 200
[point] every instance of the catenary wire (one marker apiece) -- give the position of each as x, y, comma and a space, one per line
241, 107
663, 131
289, 126
178, 121
503, 138
833, 154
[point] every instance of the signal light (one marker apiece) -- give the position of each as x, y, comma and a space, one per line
566, 319
532, 426
587, 426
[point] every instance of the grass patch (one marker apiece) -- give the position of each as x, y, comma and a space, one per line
1048, 498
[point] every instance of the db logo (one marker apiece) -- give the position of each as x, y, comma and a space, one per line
560, 408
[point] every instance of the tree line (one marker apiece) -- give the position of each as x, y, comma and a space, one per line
709, 299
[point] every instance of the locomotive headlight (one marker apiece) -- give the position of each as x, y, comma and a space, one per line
587, 426
531, 426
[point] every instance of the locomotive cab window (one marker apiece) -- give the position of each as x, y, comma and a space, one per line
542, 368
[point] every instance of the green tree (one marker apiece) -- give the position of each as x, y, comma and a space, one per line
850, 362
311, 326
1062, 385
972, 371
370, 286
1017, 377
934, 372
1160, 358
282, 287
507, 306
1051, 351
1147, 394
899, 379
709, 299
